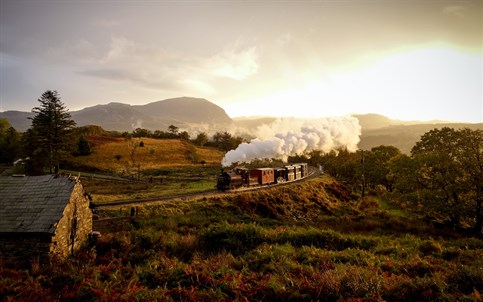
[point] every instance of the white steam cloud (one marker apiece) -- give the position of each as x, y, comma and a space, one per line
291, 136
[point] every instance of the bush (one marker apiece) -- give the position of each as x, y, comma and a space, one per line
467, 279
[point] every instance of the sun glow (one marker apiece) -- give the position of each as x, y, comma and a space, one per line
403, 85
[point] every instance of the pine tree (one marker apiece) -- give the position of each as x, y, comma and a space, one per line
51, 126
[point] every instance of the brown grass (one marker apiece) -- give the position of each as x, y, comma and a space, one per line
125, 156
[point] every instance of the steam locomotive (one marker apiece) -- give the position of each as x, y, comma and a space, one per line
243, 177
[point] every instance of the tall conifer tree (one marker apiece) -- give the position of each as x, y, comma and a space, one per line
51, 126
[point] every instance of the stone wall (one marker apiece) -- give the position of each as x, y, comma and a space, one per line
75, 225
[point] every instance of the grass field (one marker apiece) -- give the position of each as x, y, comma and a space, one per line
161, 182
161, 167
124, 156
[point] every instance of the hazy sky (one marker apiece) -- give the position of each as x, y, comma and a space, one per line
402, 58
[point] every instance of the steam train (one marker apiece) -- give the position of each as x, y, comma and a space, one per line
243, 177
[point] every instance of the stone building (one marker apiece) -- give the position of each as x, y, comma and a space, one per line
42, 216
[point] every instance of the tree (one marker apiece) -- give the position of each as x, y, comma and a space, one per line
376, 166
50, 129
344, 165
225, 141
10, 144
35, 155
449, 169
173, 129
402, 170
140, 132
201, 139
184, 135
83, 146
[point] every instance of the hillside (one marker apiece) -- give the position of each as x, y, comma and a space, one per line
404, 137
118, 154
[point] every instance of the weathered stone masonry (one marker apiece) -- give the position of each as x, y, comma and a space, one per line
42, 216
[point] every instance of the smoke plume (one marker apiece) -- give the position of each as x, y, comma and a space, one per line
291, 136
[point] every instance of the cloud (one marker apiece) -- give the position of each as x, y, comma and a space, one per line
234, 63
156, 68
284, 39
455, 10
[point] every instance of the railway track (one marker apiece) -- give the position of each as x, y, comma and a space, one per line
313, 172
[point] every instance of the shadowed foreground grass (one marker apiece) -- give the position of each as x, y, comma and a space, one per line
305, 242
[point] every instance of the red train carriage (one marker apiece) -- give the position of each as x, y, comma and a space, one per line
264, 176
239, 177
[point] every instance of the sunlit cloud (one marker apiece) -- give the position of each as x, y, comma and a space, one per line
438, 80
126, 60
284, 39
234, 64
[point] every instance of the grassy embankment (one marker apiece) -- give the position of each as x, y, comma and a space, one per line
310, 241
161, 167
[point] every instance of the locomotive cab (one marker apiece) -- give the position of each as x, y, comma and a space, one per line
229, 180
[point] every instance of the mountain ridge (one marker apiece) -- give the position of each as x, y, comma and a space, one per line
203, 115
158, 115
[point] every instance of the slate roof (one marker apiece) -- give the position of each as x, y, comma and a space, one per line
33, 204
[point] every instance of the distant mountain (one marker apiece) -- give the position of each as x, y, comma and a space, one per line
183, 112
252, 122
196, 113
185, 109
376, 121
379, 130
18, 119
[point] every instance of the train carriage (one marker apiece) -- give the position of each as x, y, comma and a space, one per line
243, 177
304, 169
298, 171
264, 176
281, 174
290, 173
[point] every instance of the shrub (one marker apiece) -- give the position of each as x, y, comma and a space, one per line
236, 239
467, 279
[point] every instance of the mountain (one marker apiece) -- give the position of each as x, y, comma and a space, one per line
183, 112
19, 120
375, 121
195, 113
185, 109
379, 130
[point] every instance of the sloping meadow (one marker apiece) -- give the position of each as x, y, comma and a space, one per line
311, 241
